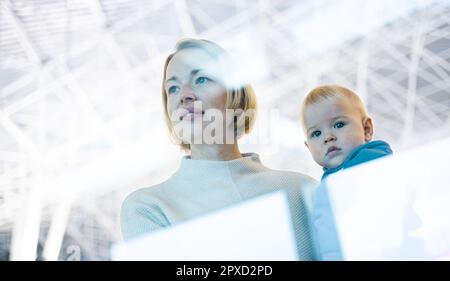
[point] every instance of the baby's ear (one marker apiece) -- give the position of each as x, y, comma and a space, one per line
368, 129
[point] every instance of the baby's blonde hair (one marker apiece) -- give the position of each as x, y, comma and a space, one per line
332, 91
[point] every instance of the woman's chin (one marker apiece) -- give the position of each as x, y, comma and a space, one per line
203, 133
197, 117
191, 139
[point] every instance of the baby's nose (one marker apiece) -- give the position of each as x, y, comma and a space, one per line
330, 138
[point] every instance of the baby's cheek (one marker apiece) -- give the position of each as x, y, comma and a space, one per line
319, 157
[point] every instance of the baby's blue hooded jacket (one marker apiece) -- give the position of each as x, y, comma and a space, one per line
324, 226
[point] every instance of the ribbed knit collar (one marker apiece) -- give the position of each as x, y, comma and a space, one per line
212, 169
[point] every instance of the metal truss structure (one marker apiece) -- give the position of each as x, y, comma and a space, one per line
81, 123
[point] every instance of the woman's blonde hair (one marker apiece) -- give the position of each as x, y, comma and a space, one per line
239, 95
332, 91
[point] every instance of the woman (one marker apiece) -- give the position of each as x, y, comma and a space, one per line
199, 83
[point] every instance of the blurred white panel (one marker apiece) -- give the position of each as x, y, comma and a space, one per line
94, 126
397, 207
258, 229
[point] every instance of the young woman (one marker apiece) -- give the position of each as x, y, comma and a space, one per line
199, 83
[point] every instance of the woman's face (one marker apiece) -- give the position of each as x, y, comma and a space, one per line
195, 91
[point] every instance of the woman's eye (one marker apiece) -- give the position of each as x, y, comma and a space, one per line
339, 125
315, 134
201, 80
172, 90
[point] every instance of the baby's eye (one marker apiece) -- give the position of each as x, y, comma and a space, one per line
316, 133
201, 80
173, 90
339, 125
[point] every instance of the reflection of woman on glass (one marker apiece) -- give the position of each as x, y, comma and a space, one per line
198, 80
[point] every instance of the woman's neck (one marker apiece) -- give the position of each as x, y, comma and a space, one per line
218, 152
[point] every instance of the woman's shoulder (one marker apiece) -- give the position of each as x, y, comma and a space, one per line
291, 176
147, 196
295, 182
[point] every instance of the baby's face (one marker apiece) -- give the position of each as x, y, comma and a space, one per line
333, 129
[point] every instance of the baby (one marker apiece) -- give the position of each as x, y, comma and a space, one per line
338, 134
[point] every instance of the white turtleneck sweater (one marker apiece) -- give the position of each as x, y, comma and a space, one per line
202, 186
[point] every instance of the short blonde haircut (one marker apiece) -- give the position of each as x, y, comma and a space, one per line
332, 91
239, 96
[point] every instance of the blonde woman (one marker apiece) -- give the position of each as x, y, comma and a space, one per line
207, 109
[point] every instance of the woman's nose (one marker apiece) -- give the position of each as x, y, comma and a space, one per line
187, 95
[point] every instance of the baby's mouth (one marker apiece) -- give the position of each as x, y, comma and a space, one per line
332, 149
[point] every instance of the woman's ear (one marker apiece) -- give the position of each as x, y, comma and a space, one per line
238, 117
239, 120
368, 129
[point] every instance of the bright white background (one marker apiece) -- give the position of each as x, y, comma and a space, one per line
81, 121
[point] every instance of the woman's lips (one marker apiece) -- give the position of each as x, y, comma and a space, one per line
191, 115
